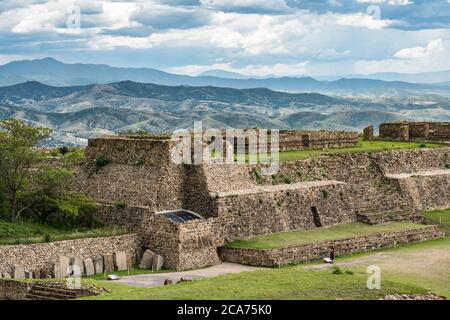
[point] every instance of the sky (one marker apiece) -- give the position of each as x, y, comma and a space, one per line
251, 37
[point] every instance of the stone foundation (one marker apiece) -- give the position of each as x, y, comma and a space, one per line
41, 256
314, 251
438, 131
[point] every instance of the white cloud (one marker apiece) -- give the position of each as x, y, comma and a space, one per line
253, 5
294, 69
390, 2
434, 46
364, 20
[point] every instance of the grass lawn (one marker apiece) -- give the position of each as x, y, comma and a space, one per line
26, 232
440, 217
285, 283
412, 269
363, 146
283, 239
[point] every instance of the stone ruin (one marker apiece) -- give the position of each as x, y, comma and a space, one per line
140, 188
408, 131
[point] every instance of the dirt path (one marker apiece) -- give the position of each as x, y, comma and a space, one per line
154, 280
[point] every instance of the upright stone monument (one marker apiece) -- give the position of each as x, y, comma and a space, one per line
108, 262
89, 268
61, 267
78, 265
158, 262
368, 133
120, 261
19, 272
98, 264
147, 260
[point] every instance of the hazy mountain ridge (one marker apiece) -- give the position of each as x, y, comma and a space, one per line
53, 72
86, 111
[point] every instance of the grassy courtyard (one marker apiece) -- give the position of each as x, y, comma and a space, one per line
411, 269
284, 239
363, 146
26, 232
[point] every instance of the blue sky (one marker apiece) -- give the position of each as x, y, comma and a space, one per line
253, 37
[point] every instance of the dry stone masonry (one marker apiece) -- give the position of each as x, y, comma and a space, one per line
138, 187
139, 183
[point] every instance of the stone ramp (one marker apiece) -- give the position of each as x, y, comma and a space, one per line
155, 280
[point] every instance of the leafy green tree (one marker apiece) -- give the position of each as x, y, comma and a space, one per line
48, 194
18, 159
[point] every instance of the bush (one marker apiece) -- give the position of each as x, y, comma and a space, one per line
47, 238
423, 145
258, 176
64, 150
121, 205
336, 270
101, 161
447, 166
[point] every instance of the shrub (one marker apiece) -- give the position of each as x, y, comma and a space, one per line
47, 238
64, 150
447, 166
336, 270
422, 145
121, 205
102, 161
258, 176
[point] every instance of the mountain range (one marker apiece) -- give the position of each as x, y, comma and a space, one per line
53, 72
79, 112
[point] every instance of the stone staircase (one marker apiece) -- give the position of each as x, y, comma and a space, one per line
42, 292
382, 204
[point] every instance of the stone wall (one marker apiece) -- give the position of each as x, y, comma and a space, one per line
13, 290
313, 251
439, 131
238, 202
41, 256
268, 209
189, 245
427, 190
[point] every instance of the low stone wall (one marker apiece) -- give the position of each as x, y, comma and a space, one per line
41, 256
13, 290
312, 251
439, 131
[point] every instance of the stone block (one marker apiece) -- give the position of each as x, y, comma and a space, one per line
98, 264
120, 261
368, 133
147, 260
89, 268
61, 267
6, 275
158, 262
37, 274
19, 272
77, 266
108, 262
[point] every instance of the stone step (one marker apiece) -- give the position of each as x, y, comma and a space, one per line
63, 291
53, 295
30, 296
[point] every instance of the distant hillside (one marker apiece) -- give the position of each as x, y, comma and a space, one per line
80, 112
53, 72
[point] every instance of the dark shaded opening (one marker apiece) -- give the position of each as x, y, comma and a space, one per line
316, 217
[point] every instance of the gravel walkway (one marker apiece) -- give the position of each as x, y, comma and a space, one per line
154, 280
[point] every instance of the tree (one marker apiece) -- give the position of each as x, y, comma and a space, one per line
18, 160
50, 195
